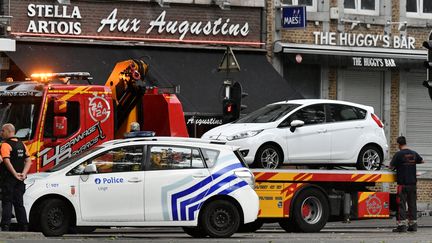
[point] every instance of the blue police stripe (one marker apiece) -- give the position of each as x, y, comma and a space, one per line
199, 185
224, 192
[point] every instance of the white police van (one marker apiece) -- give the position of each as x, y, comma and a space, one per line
206, 188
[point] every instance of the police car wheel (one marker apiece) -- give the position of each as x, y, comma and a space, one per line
195, 232
310, 211
55, 217
250, 227
220, 219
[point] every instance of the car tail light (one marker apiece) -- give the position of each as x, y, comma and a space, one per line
377, 120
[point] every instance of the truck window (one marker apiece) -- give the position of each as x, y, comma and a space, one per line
72, 115
172, 157
124, 159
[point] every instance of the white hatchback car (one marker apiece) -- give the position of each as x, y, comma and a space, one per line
204, 187
308, 132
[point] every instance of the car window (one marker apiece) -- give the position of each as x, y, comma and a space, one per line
269, 113
121, 159
210, 156
339, 112
313, 114
173, 157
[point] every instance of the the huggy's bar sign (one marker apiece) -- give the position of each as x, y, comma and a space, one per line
135, 21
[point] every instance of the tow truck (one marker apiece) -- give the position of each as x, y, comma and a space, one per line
57, 119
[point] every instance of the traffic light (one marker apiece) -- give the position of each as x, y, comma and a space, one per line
233, 106
428, 64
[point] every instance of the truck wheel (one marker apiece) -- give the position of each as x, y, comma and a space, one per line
370, 158
268, 156
250, 227
288, 225
55, 217
195, 232
220, 219
310, 210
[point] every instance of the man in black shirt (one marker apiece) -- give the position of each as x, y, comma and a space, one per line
404, 161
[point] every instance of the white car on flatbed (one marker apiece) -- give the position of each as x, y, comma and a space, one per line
204, 187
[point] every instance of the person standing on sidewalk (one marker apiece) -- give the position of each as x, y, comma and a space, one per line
405, 161
16, 166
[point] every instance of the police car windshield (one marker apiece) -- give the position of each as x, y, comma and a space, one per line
269, 113
23, 113
65, 163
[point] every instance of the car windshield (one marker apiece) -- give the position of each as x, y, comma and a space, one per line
65, 163
269, 113
23, 113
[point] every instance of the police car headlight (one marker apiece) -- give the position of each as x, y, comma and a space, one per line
246, 176
246, 134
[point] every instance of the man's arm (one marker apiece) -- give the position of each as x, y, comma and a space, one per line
27, 165
393, 162
11, 169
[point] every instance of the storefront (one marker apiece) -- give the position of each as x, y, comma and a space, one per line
183, 44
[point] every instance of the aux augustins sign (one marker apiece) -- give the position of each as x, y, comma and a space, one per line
136, 21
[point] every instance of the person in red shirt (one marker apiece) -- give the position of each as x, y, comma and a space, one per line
15, 166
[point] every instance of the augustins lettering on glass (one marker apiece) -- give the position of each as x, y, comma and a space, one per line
161, 25
47, 19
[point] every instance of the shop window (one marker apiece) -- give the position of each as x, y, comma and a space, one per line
124, 159
366, 7
72, 115
419, 8
171, 157
311, 5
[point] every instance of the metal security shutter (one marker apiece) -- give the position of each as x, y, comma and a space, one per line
419, 118
363, 87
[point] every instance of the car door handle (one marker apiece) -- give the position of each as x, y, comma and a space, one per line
322, 131
197, 176
359, 127
134, 180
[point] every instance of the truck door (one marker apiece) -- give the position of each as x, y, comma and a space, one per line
175, 182
65, 114
116, 192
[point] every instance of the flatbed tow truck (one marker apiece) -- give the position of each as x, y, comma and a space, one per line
303, 200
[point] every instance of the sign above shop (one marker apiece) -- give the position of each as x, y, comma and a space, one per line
294, 17
364, 40
132, 21
373, 62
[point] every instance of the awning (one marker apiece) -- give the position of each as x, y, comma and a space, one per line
195, 70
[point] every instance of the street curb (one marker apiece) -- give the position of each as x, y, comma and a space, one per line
21, 235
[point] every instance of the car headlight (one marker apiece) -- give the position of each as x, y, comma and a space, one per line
246, 134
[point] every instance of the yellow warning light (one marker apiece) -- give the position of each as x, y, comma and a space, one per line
42, 77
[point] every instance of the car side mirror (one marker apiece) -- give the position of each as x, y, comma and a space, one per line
90, 169
296, 123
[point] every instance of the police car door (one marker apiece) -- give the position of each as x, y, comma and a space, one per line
116, 192
176, 181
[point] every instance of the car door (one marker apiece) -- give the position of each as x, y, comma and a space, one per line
116, 192
176, 181
311, 142
345, 126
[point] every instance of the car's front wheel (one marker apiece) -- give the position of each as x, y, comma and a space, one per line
55, 217
220, 219
268, 156
195, 232
370, 158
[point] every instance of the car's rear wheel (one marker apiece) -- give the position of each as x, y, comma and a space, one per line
55, 217
195, 232
220, 219
370, 158
268, 156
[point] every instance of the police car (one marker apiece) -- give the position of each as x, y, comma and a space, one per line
204, 187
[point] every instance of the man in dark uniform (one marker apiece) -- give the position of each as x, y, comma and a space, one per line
405, 161
16, 166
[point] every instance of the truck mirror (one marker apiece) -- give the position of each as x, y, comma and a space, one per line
60, 107
60, 126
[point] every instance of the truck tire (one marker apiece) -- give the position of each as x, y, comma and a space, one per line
195, 232
370, 158
220, 219
268, 156
250, 227
55, 217
310, 211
